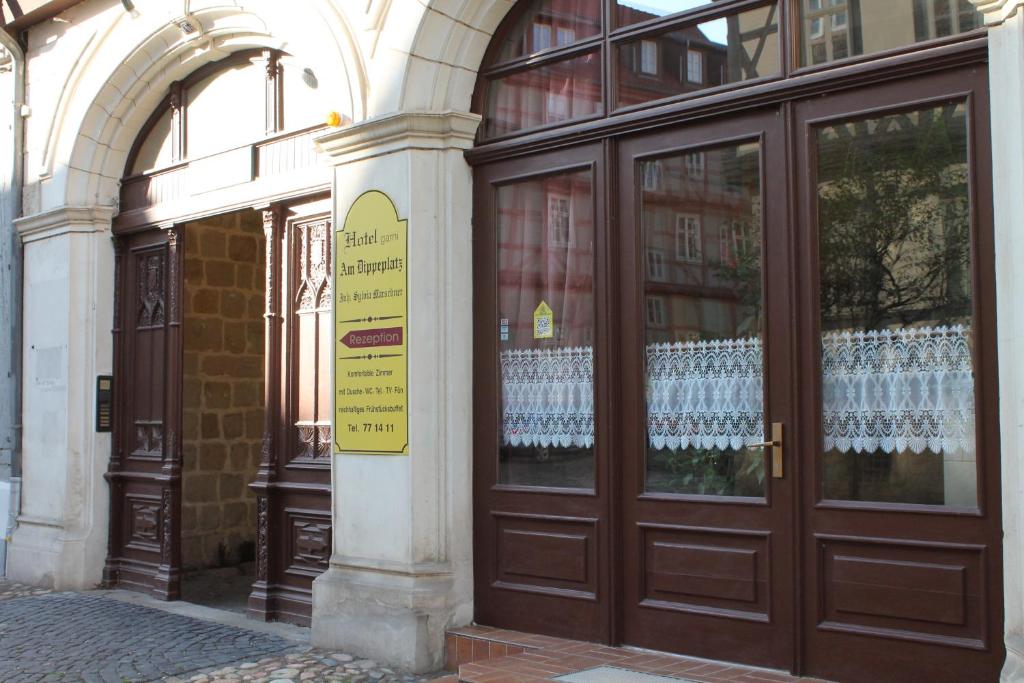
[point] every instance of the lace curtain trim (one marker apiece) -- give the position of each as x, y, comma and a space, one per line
889, 390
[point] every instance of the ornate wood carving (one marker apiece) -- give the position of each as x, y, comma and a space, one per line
149, 438
166, 537
173, 274
143, 523
314, 270
262, 537
150, 286
310, 543
313, 440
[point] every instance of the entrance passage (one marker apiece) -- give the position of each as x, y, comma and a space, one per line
222, 406
220, 486
735, 376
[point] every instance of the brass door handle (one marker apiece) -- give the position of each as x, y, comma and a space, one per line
776, 445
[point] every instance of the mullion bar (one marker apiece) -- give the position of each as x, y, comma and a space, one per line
544, 58
713, 11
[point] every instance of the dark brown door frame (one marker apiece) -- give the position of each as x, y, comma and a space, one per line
720, 525
953, 69
584, 612
947, 536
144, 538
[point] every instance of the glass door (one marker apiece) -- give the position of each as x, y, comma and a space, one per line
707, 498
542, 396
900, 441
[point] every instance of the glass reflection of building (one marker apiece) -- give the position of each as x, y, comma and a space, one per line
702, 218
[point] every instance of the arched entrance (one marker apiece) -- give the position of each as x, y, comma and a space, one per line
220, 458
734, 344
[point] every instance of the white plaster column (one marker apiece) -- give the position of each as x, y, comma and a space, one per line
61, 537
1006, 79
401, 569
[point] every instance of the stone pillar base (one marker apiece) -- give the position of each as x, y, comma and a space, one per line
387, 615
40, 554
1013, 669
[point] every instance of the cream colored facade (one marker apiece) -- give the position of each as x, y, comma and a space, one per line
403, 71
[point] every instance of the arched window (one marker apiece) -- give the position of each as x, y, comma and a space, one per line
568, 61
236, 101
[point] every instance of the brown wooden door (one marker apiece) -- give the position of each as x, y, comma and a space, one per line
294, 486
542, 364
707, 531
901, 559
145, 465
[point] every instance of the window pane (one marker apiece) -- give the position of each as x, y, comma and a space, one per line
836, 30
155, 151
628, 12
211, 127
551, 23
727, 50
558, 92
704, 323
896, 309
546, 325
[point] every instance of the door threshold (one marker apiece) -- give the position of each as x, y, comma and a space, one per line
290, 632
482, 654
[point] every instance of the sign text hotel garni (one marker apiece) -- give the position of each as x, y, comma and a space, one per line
371, 403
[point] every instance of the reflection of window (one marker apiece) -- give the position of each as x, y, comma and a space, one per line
565, 36
656, 265
655, 311
694, 165
651, 171
557, 107
688, 244
649, 57
828, 30
541, 36
941, 18
736, 242
695, 66
559, 220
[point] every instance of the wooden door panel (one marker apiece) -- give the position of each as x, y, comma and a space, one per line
144, 471
294, 538
706, 571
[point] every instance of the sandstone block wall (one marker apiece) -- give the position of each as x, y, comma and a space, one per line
223, 387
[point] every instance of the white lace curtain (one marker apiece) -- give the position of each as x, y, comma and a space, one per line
890, 390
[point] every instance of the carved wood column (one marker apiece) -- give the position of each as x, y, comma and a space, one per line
179, 141
168, 576
116, 444
272, 231
274, 99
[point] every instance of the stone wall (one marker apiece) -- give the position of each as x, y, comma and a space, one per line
223, 387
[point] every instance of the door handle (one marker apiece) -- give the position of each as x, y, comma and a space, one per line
776, 445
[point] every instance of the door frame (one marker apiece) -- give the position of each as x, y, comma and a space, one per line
823, 522
704, 516
586, 612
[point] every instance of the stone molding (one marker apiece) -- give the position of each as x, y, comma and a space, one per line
399, 132
64, 220
997, 11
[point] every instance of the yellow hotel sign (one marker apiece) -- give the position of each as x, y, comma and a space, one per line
371, 404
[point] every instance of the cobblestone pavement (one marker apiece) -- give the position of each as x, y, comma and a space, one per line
309, 665
16, 590
92, 638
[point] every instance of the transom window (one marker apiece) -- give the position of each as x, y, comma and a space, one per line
241, 99
547, 70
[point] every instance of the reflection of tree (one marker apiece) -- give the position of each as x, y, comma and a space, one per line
893, 217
